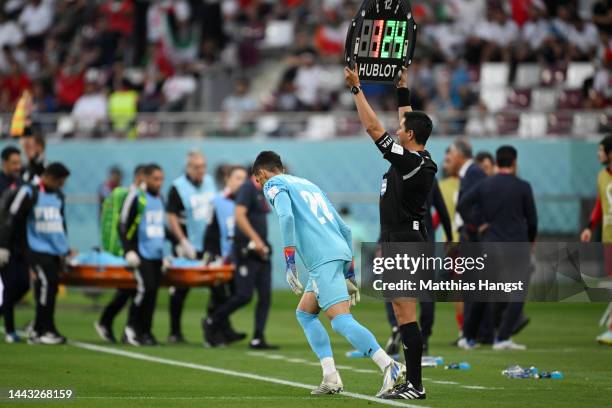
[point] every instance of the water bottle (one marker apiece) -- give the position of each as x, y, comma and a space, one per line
553, 375
516, 371
431, 361
458, 366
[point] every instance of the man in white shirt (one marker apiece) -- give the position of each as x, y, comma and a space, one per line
90, 110
11, 36
497, 35
583, 38
36, 19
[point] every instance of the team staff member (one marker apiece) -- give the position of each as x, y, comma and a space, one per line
189, 211
14, 275
144, 252
220, 234
111, 242
602, 214
459, 158
41, 208
509, 215
253, 267
403, 196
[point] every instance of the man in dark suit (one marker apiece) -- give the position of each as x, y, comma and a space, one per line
459, 158
509, 214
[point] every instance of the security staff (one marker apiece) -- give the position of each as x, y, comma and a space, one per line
111, 242
509, 215
144, 252
220, 235
403, 196
14, 275
189, 211
41, 208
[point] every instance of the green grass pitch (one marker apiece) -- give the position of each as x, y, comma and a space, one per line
560, 336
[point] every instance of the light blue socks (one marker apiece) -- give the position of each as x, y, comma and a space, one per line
315, 333
360, 338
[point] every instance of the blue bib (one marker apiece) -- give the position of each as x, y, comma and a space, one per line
151, 232
197, 201
224, 209
45, 224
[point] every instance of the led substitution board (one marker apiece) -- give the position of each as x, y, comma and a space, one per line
381, 39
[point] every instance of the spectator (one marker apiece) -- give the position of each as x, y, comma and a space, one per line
90, 110
178, 88
497, 35
69, 83
239, 109
122, 110
36, 19
13, 85
307, 81
602, 15
480, 122
285, 98
11, 37
583, 40
535, 35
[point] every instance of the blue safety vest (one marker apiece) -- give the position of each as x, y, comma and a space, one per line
45, 224
151, 230
224, 210
197, 201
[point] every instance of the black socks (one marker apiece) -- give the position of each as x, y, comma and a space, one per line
413, 350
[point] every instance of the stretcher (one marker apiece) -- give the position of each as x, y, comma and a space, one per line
185, 274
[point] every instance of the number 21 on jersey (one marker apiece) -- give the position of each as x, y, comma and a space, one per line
316, 200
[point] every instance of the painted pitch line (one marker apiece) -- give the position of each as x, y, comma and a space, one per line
145, 397
358, 370
201, 367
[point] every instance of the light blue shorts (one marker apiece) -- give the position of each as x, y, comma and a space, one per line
327, 283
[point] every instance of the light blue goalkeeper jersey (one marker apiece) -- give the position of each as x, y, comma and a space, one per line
308, 221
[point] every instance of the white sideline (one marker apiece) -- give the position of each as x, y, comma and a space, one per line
176, 363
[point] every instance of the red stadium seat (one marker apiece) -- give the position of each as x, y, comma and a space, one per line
553, 76
560, 123
570, 99
519, 99
507, 123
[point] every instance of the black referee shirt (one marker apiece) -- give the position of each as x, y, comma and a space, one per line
405, 186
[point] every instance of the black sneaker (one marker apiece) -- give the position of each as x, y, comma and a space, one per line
232, 336
213, 337
105, 332
405, 391
260, 344
393, 343
148, 339
176, 339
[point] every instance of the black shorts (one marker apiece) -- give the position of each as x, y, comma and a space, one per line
407, 234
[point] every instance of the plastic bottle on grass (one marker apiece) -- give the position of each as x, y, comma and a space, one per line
458, 366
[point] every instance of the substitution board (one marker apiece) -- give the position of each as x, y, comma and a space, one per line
381, 39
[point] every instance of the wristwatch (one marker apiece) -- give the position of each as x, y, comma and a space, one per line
355, 90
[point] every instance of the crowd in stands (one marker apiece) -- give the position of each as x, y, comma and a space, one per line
101, 62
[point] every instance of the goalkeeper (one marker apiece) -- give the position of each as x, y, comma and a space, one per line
311, 226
